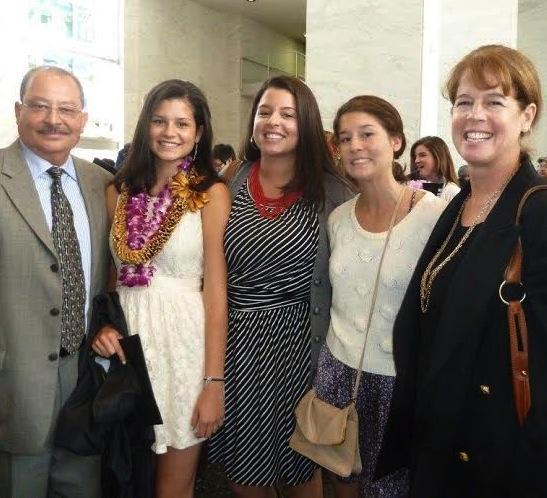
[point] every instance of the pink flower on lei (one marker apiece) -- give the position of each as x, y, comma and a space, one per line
418, 184
145, 215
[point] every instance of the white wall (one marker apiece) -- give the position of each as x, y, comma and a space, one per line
532, 40
362, 46
365, 47
181, 39
403, 51
463, 26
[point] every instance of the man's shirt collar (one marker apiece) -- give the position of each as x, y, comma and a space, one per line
38, 166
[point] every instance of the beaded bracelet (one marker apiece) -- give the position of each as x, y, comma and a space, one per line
207, 380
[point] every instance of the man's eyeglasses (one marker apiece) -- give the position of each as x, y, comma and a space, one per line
41, 108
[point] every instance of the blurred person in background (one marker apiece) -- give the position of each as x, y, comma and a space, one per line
542, 166
431, 159
223, 156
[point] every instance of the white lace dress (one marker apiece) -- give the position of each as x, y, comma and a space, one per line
168, 315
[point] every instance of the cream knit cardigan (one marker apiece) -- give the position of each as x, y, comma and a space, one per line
352, 268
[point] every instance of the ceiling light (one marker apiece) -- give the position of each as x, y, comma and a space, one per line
251, 1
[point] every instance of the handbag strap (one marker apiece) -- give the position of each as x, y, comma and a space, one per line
374, 294
518, 330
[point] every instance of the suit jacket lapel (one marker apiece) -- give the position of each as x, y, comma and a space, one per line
94, 203
19, 185
479, 275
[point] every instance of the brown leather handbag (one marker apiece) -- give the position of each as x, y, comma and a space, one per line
518, 331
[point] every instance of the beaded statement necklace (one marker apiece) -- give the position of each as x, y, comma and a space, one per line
431, 272
143, 224
268, 208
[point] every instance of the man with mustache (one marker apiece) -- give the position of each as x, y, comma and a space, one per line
53, 260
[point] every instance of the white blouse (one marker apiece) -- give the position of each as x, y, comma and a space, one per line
449, 191
353, 264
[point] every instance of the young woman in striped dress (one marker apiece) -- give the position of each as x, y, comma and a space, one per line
278, 290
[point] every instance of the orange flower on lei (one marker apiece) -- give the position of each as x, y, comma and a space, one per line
184, 199
181, 186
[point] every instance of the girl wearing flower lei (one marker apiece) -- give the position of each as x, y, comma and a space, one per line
169, 211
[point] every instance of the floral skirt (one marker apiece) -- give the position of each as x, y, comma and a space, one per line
334, 384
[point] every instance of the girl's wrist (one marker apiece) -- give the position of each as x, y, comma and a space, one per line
210, 380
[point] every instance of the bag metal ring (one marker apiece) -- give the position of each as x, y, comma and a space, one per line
502, 285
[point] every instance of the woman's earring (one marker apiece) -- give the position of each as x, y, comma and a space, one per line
195, 152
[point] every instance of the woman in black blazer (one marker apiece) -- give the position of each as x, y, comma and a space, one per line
453, 419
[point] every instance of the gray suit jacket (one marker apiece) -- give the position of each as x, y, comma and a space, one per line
337, 191
30, 287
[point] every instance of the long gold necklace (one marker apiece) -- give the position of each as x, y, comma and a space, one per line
432, 271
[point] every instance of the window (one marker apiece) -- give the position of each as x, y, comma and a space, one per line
85, 37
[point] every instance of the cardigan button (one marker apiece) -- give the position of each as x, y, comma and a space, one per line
54, 267
316, 310
54, 311
317, 338
463, 456
387, 345
52, 356
485, 389
317, 281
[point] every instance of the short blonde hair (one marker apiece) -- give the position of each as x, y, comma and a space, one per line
511, 69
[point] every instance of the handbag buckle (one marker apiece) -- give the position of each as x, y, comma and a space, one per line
502, 287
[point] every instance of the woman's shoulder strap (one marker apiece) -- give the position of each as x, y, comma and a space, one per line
525, 197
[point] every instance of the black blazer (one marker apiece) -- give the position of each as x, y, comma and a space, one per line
452, 420
111, 414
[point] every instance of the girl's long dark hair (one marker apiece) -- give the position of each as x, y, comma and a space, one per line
139, 168
313, 158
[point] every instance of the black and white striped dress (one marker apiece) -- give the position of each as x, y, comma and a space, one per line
270, 264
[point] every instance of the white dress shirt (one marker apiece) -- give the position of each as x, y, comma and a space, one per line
42, 181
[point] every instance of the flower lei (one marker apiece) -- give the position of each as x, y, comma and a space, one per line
143, 224
419, 184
